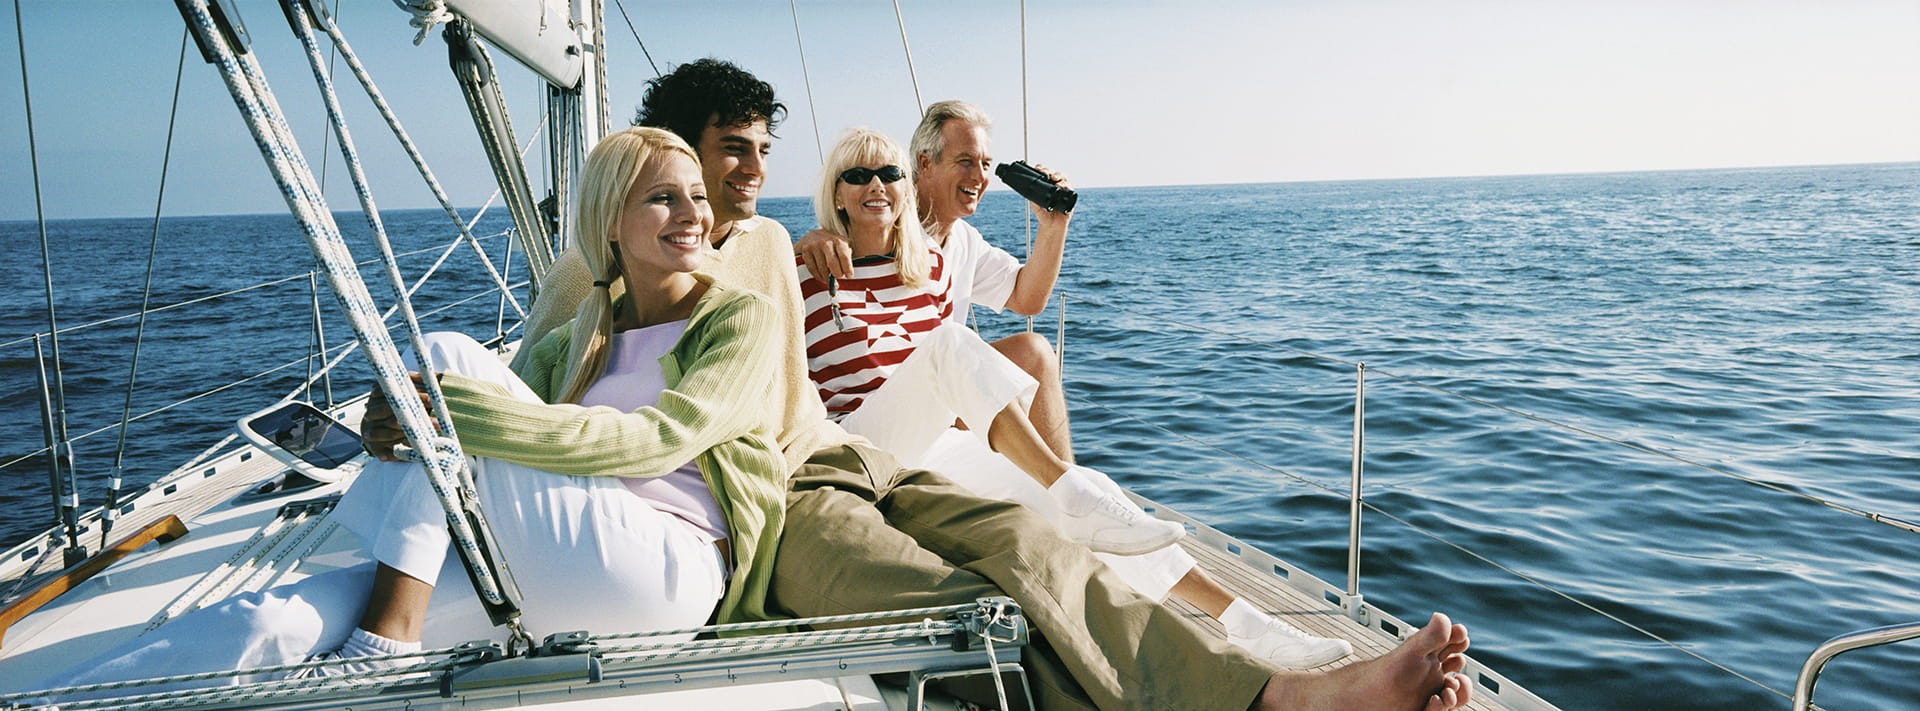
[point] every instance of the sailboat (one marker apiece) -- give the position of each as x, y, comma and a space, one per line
249, 511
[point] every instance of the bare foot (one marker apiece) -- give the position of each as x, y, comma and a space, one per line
1421, 674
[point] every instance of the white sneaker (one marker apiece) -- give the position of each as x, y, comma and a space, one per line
1281, 644
1117, 526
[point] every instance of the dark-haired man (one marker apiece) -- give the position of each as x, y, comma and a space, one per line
863, 534
728, 116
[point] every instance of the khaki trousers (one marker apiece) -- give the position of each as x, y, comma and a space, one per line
862, 535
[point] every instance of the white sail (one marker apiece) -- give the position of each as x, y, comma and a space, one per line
539, 33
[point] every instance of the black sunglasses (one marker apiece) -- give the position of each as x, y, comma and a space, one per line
862, 176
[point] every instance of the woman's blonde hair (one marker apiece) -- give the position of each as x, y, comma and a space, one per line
611, 170
860, 146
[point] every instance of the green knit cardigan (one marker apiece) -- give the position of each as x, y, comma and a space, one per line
715, 412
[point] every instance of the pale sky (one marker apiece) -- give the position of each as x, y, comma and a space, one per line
1133, 92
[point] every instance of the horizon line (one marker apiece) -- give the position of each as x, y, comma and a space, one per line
1000, 189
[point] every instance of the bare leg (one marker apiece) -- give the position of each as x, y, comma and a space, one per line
1032, 354
1421, 674
1012, 435
398, 606
1195, 587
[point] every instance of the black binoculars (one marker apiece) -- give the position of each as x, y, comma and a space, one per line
1035, 187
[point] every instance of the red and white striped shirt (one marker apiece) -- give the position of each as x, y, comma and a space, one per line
879, 319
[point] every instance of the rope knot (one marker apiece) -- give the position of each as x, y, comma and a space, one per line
426, 14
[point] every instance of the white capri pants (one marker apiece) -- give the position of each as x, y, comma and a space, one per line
586, 553
953, 374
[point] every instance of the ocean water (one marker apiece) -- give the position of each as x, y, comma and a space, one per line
1528, 340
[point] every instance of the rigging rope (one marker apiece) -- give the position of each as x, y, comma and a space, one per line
920, 105
112, 511
600, 70
406, 142
807, 80
636, 37
472, 70
375, 225
319, 342
66, 491
426, 14
452, 480
443, 461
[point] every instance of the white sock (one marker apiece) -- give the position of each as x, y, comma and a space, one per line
367, 644
1242, 620
1076, 492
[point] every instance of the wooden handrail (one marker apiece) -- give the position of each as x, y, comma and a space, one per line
163, 530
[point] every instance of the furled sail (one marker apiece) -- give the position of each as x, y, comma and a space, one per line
538, 33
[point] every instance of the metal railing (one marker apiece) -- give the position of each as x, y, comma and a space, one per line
985, 637
1810, 672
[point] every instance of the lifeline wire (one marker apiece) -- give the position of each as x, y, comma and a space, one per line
1437, 537
1843, 508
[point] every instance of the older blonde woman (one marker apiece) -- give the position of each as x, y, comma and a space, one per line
892, 371
898, 369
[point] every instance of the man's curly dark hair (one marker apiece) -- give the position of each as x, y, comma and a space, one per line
707, 92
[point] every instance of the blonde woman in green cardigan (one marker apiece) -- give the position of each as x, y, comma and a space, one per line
651, 491
629, 470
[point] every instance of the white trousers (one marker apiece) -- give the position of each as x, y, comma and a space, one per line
954, 374
969, 463
586, 553
951, 374
280, 625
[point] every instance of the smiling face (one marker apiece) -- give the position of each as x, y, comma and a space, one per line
664, 221
951, 183
734, 162
874, 207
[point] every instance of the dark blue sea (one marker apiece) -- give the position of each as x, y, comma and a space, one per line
1609, 418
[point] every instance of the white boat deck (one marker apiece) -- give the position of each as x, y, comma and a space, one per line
1309, 614
1296, 597
257, 552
